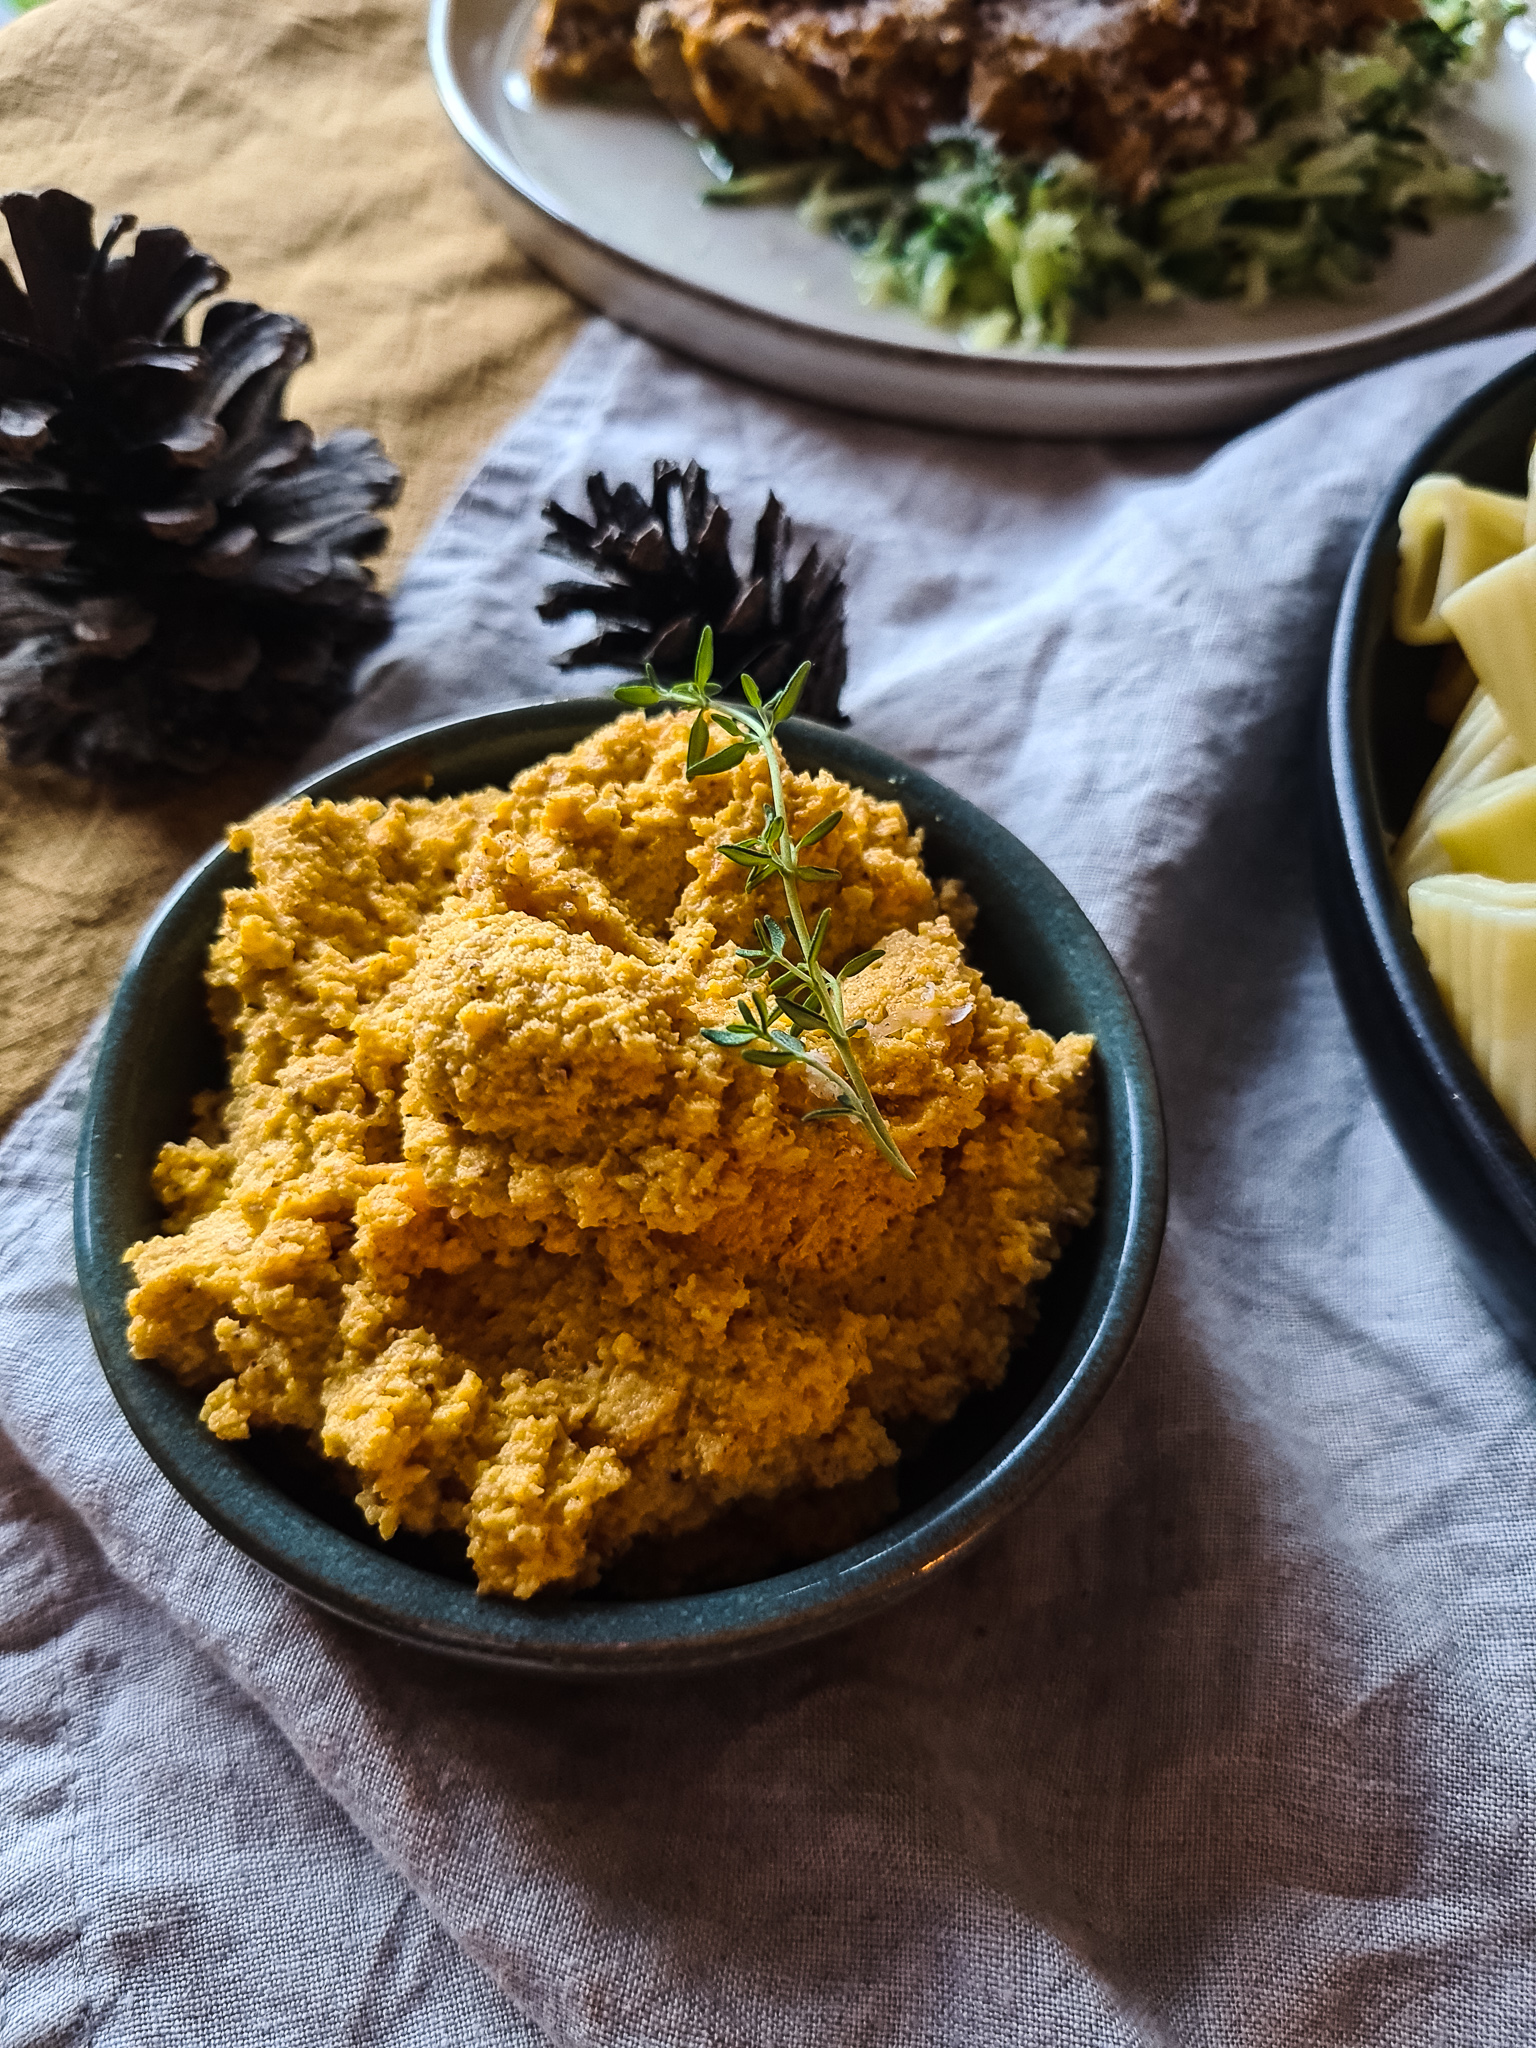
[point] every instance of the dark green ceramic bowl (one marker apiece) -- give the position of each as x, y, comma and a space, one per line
1032, 942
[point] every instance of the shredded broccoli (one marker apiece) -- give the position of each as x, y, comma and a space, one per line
1011, 251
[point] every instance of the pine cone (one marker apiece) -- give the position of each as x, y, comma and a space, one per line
668, 573
180, 572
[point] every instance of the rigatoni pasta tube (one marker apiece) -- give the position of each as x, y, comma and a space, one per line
1478, 752
1479, 939
1448, 533
1492, 831
1494, 618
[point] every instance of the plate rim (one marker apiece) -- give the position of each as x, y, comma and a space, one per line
1491, 295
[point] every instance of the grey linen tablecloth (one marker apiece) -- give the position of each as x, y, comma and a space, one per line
1227, 1739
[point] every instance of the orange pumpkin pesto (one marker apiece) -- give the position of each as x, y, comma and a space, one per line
531, 1261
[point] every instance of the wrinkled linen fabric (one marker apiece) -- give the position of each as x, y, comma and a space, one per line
1226, 1739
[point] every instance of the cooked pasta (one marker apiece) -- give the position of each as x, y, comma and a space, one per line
1466, 860
1492, 831
1478, 752
1449, 532
1479, 938
1494, 619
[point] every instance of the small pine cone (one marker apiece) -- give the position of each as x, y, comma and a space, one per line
667, 574
181, 574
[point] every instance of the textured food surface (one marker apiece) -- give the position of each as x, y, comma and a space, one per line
486, 1218
877, 76
579, 45
1137, 87
1144, 87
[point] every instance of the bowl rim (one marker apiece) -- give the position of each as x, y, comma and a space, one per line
1437, 1098
346, 1577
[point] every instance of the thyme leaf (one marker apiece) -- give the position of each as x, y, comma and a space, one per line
799, 995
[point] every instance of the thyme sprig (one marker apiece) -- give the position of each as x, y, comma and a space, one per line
799, 994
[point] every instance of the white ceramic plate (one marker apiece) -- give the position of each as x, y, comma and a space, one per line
607, 198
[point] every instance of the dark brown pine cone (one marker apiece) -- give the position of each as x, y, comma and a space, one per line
181, 575
667, 573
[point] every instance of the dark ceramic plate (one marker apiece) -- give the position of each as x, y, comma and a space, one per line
1378, 747
1032, 942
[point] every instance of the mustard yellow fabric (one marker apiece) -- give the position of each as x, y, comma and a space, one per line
301, 143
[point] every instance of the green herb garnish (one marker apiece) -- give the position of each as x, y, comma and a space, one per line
799, 994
